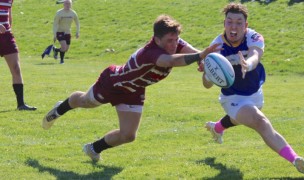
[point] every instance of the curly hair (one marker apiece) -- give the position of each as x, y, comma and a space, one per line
236, 8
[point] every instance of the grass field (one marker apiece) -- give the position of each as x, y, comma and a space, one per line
171, 142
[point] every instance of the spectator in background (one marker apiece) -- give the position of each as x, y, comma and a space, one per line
62, 29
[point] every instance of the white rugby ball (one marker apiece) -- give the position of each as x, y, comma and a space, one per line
219, 70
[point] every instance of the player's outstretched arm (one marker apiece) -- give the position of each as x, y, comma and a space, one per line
253, 59
175, 60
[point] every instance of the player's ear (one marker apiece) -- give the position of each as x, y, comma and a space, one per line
157, 40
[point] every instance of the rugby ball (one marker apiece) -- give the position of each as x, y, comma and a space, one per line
219, 70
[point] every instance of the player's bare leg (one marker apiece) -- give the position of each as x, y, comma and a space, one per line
252, 117
128, 126
13, 63
64, 47
77, 99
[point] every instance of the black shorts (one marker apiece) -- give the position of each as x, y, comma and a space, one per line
61, 36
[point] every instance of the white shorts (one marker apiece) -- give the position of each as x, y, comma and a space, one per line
232, 104
129, 108
92, 98
119, 107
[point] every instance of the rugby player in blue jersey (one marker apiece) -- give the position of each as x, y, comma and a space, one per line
243, 101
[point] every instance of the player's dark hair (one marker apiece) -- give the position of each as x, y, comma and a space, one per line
236, 8
165, 24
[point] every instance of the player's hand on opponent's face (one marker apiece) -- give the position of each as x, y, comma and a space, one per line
2, 29
243, 64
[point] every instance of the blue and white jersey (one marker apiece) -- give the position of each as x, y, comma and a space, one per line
253, 79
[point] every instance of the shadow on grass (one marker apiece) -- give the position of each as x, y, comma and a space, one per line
8, 110
282, 178
232, 173
259, 1
46, 63
225, 173
105, 173
290, 3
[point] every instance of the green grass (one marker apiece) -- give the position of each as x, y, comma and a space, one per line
171, 143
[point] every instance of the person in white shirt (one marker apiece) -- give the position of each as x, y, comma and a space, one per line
62, 29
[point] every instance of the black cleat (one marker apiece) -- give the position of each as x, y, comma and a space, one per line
26, 107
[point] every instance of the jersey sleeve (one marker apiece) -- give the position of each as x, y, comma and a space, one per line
152, 55
76, 19
218, 40
181, 44
255, 39
56, 24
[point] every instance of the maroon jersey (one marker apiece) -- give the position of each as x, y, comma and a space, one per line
5, 6
126, 84
141, 70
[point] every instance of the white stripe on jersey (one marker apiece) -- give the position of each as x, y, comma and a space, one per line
147, 81
139, 78
157, 72
3, 13
128, 88
130, 70
5, 4
4, 22
134, 57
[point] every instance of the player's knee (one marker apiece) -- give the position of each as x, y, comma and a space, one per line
127, 138
76, 94
64, 48
76, 99
262, 123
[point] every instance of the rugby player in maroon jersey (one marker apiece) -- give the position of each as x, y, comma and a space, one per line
124, 86
9, 50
